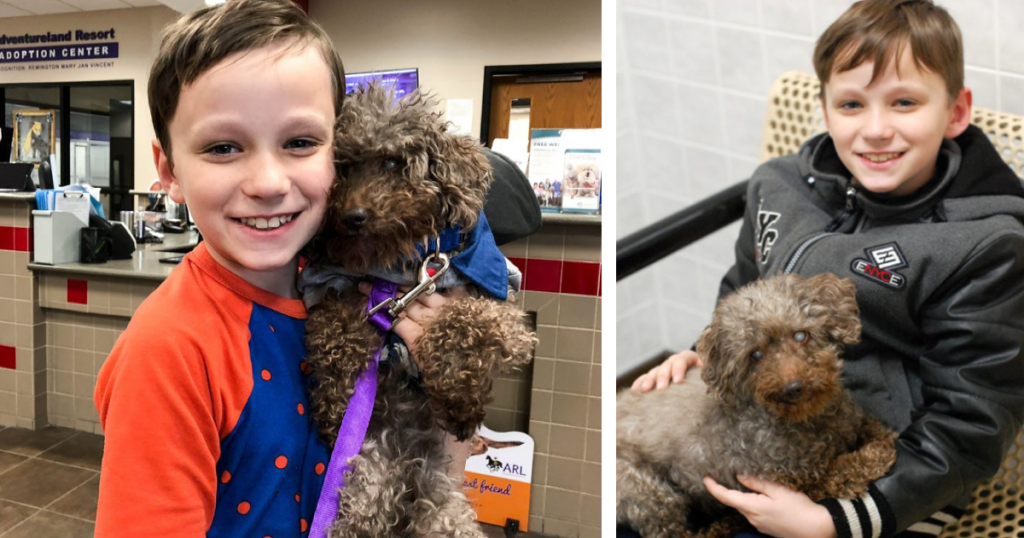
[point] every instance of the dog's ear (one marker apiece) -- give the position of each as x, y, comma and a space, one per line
835, 300
718, 369
462, 173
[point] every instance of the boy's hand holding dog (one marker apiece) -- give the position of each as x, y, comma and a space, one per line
418, 314
775, 509
672, 370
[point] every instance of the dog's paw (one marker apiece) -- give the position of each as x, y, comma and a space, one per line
494, 332
460, 350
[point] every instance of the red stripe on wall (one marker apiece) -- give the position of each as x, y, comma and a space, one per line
554, 276
543, 275
581, 278
22, 240
7, 357
78, 291
15, 238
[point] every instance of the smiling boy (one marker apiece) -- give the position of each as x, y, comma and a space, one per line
911, 202
203, 397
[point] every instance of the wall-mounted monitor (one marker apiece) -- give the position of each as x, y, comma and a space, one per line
403, 80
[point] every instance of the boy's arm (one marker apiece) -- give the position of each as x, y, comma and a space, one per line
161, 441
973, 389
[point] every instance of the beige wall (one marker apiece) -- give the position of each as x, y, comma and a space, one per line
137, 32
451, 41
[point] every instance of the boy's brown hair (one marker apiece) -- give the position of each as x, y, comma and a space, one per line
203, 38
878, 30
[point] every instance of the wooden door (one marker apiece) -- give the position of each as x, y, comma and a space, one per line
556, 102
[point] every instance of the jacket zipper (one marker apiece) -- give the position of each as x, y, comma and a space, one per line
851, 207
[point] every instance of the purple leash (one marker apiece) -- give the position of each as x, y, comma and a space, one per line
356, 420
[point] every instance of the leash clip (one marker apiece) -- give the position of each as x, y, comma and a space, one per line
427, 284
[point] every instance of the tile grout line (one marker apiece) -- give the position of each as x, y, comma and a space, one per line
34, 514
69, 493
27, 458
42, 509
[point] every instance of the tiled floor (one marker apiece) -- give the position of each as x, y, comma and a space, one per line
49, 484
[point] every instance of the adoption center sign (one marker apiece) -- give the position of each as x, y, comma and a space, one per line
72, 45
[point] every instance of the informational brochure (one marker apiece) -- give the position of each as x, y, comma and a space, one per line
582, 182
516, 150
565, 169
547, 159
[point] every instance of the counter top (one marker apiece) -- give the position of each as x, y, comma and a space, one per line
572, 219
18, 196
144, 264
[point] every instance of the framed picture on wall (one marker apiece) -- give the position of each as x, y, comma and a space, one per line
34, 136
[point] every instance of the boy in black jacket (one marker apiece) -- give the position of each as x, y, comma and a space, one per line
914, 204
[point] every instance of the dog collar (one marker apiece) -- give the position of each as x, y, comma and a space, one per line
478, 257
450, 240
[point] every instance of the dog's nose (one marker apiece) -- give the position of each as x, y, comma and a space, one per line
354, 218
793, 391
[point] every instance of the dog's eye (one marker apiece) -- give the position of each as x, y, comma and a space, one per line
800, 337
389, 164
757, 355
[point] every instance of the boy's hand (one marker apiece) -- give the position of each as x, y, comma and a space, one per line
418, 314
776, 510
674, 368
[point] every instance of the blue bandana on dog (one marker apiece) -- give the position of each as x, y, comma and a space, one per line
480, 262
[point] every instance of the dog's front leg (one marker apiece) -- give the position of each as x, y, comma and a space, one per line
851, 473
340, 343
468, 341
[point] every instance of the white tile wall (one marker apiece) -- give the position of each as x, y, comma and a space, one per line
693, 76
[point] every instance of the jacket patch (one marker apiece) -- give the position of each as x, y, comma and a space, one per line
766, 235
881, 264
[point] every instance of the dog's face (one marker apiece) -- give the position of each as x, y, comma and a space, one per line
587, 173
400, 179
777, 342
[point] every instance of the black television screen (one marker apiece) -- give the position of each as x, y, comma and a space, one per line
403, 80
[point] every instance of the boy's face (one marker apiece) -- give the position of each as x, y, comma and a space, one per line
888, 133
253, 159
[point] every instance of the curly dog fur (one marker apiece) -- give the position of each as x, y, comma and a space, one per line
402, 179
771, 405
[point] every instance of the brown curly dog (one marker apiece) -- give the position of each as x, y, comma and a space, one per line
402, 179
771, 405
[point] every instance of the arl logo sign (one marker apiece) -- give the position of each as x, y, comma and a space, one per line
880, 268
764, 233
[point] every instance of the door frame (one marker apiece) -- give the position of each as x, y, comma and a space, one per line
490, 71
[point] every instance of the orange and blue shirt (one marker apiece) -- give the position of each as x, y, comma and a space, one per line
204, 407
